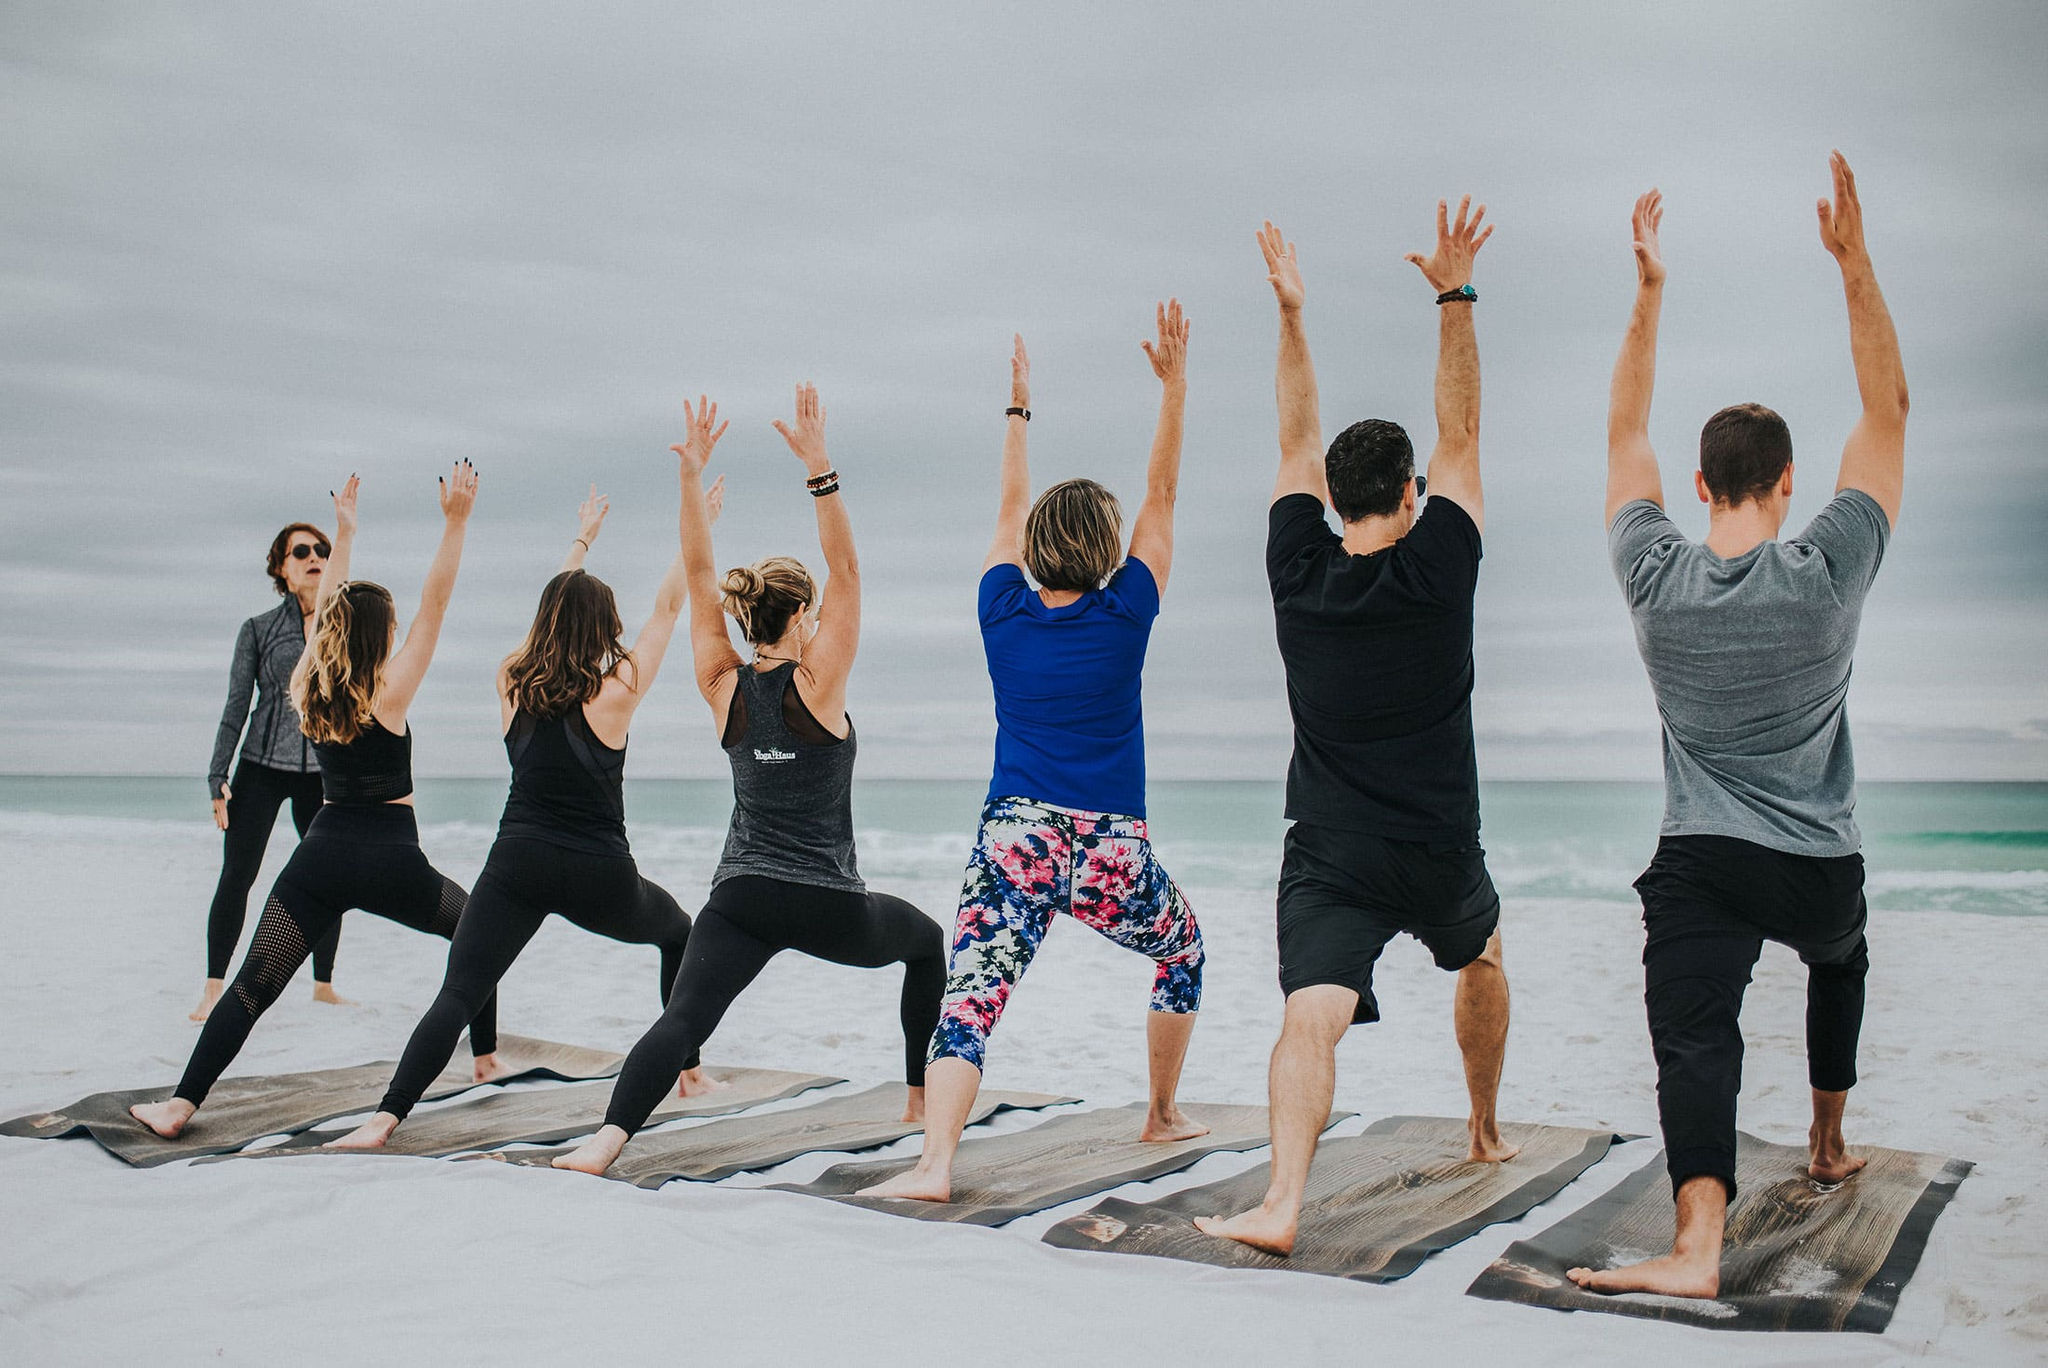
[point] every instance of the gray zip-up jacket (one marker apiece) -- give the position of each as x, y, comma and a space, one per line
266, 653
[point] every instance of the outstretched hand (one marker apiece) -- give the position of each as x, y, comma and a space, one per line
714, 499
807, 438
1841, 223
458, 492
345, 507
1169, 355
696, 452
590, 516
1020, 373
1648, 217
1283, 272
1449, 267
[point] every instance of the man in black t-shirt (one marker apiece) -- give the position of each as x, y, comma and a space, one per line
1375, 630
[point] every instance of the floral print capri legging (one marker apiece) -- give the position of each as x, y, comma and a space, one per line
1032, 860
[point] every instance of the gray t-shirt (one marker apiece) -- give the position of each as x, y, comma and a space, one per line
1749, 659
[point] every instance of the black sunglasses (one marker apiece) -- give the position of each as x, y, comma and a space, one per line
305, 549
1421, 485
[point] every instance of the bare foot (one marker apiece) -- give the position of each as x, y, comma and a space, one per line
1259, 1228
324, 992
695, 1083
208, 996
489, 1068
374, 1133
1489, 1148
596, 1154
915, 1184
1835, 1166
1163, 1127
1672, 1275
167, 1118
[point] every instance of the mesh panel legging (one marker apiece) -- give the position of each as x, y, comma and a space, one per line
522, 882
351, 857
745, 923
256, 793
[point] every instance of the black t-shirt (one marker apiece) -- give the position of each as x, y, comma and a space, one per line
1378, 652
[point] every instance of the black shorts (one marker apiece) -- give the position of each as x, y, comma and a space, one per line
1344, 895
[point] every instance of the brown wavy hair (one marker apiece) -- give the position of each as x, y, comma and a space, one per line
336, 680
1073, 537
572, 648
281, 546
764, 596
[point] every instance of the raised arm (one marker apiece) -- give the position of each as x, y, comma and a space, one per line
1008, 547
1874, 459
1294, 380
1454, 463
828, 659
620, 696
1631, 462
589, 522
1152, 532
715, 659
336, 573
408, 665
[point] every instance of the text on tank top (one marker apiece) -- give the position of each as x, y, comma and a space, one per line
792, 787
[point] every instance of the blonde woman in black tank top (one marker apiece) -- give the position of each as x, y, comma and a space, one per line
565, 701
787, 879
352, 693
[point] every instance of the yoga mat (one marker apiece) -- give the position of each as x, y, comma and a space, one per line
1796, 1257
1377, 1205
247, 1108
1002, 1177
719, 1149
543, 1116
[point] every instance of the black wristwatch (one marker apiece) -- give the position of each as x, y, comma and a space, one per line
1464, 294
1014, 412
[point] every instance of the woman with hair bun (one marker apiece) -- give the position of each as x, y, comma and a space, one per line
787, 879
566, 698
1064, 827
276, 765
352, 692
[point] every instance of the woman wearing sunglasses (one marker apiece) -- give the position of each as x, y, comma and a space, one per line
352, 691
276, 764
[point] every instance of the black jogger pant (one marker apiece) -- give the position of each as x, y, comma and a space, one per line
1709, 904
255, 794
747, 921
523, 880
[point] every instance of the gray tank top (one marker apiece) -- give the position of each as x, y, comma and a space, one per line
792, 808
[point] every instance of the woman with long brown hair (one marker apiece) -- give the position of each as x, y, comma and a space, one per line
565, 699
276, 765
787, 879
352, 692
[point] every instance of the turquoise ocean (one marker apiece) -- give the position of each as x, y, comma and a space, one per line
1929, 847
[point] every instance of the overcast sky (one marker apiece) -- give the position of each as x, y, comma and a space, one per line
246, 249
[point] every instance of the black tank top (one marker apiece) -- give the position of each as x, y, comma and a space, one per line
374, 768
568, 787
792, 795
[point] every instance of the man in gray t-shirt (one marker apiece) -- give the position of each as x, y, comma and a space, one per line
1748, 641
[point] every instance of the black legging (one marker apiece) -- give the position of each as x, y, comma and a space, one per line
523, 881
745, 923
1709, 904
352, 857
255, 794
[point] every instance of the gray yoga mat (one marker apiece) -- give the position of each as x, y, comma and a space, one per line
1797, 1257
1001, 1177
719, 1149
1377, 1205
247, 1108
544, 1116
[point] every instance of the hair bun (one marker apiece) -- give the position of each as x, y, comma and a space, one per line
744, 582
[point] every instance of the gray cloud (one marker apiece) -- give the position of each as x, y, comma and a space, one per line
250, 248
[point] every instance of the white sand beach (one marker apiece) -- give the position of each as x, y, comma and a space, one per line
418, 1261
